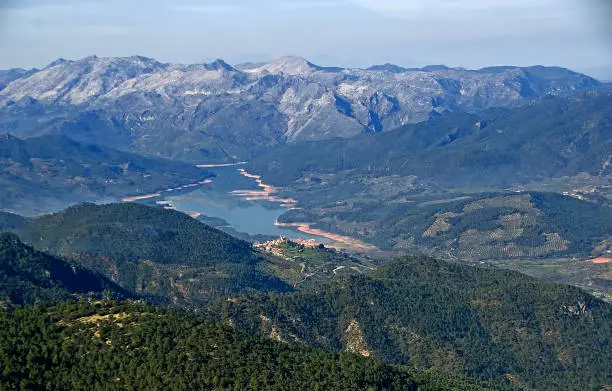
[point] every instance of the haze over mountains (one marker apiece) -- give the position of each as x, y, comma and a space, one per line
44, 173
219, 112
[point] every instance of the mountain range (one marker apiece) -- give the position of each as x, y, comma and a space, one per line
205, 112
494, 148
457, 324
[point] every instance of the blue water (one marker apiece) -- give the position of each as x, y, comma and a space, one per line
215, 200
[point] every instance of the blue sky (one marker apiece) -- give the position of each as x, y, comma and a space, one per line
469, 33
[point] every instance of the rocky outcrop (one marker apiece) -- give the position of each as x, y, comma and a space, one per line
355, 341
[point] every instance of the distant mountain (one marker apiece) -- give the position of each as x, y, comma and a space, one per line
494, 148
603, 73
219, 112
605, 87
387, 68
219, 65
81, 80
29, 277
43, 173
160, 254
289, 65
8, 75
11, 221
486, 323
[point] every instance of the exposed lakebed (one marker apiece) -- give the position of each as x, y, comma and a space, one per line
237, 197
246, 203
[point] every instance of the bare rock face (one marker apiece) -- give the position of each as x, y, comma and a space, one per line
216, 111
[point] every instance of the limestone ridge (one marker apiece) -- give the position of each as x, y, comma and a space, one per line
139, 104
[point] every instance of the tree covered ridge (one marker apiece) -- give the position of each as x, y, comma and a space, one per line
485, 323
28, 276
110, 345
162, 255
128, 232
495, 148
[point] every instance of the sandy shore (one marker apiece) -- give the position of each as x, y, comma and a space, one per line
159, 194
141, 197
193, 214
220, 165
338, 241
266, 194
600, 260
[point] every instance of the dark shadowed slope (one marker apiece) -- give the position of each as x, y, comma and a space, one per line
28, 276
10, 221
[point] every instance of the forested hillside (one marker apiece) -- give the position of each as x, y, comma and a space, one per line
485, 323
471, 227
29, 277
46, 173
456, 320
108, 346
162, 254
131, 232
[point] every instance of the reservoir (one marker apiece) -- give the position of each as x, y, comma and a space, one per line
238, 198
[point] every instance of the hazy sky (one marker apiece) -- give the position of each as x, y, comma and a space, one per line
469, 33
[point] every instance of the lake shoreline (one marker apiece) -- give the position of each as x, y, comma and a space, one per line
169, 190
266, 193
337, 241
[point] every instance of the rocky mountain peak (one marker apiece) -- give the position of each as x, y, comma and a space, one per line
387, 67
59, 61
289, 65
220, 65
